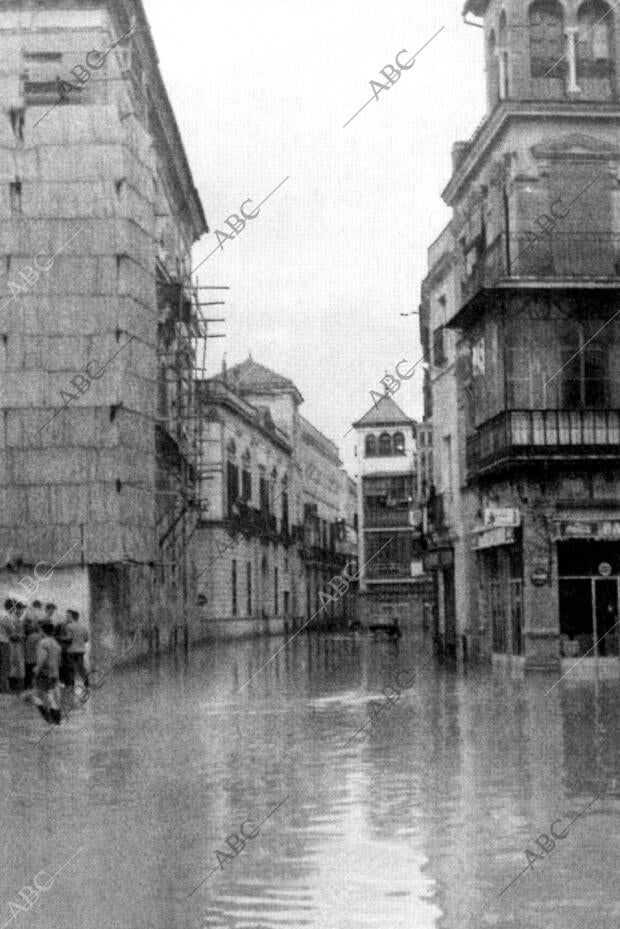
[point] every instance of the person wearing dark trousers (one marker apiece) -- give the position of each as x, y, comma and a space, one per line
16, 640
63, 637
33, 637
46, 672
77, 646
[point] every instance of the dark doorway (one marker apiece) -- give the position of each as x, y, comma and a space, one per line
606, 609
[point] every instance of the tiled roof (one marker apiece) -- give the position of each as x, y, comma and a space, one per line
384, 411
249, 375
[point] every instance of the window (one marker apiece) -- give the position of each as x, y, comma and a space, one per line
385, 445
584, 379
370, 446
233, 582
15, 196
439, 347
546, 23
246, 485
246, 477
399, 443
41, 78
558, 364
594, 41
272, 487
263, 491
248, 569
232, 484
492, 69
285, 518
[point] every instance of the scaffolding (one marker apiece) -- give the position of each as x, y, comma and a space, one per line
183, 332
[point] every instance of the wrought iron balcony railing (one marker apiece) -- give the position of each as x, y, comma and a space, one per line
555, 256
520, 435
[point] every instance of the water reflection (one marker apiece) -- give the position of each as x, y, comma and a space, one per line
420, 823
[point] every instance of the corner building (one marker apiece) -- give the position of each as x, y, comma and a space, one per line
535, 330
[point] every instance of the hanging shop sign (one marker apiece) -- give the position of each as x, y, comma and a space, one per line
490, 538
501, 516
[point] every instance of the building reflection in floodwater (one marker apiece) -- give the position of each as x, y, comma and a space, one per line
420, 823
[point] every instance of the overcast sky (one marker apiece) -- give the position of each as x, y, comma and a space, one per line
261, 91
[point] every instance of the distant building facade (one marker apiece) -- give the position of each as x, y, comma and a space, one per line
277, 519
529, 274
389, 514
97, 364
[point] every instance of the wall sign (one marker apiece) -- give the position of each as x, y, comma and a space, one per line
490, 538
539, 576
501, 516
604, 569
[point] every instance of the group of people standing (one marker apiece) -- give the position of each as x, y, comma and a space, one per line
40, 653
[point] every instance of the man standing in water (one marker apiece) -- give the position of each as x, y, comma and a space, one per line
78, 635
47, 693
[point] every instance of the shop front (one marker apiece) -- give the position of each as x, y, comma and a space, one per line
497, 544
439, 565
588, 555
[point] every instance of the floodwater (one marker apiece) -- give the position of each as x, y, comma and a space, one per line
421, 820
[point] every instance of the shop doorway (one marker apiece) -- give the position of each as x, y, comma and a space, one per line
606, 615
449, 605
590, 603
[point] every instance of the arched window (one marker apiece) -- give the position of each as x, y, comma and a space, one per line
370, 446
231, 448
594, 46
385, 445
546, 22
399, 443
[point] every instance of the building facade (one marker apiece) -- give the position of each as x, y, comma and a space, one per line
99, 216
277, 521
534, 279
389, 515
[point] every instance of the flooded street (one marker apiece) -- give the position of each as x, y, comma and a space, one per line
420, 821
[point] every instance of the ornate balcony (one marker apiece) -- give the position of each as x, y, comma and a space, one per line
556, 258
520, 436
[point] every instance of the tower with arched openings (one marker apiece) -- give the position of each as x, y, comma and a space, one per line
389, 515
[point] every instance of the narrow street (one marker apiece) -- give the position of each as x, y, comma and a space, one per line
421, 820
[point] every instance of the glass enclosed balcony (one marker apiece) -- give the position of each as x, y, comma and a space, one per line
556, 258
518, 436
